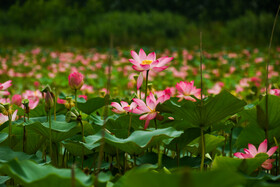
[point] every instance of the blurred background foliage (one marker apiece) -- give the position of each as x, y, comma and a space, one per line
152, 23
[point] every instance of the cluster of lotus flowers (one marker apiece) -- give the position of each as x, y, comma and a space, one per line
146, 108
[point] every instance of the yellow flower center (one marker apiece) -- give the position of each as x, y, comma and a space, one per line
146, 62
151, 109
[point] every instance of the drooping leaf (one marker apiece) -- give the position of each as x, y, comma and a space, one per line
76, 148
137, 142
7, 154
61, 130
31, 174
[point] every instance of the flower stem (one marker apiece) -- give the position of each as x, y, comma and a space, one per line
202, 149
76, 104
83, 140
24, 139
159, 157
50, 126
129, 125
55, 101
230, 142
147, 78
178, 155
10, 130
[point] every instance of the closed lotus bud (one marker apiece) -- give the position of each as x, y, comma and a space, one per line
76, 80
49, 100
16, 99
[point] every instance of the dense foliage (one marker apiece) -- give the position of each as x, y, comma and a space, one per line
131, 119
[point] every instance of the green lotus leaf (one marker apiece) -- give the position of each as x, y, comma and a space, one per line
28, 173
137, 142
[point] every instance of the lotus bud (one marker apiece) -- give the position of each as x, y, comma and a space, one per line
76, 80
49, 100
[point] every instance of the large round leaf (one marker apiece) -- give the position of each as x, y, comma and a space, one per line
31, 174
137, 142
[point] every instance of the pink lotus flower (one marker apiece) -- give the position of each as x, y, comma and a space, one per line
252, 152
186, 89
4, 118
216, 88
61, 101
76, 80
275, 92
124, 107
4, 86
33, 97
142, 62
149, 109
16, 99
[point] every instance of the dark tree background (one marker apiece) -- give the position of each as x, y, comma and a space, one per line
171, 22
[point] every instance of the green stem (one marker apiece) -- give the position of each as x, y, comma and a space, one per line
50, 126
146, 91
83, 139
159, 157
83, 132
230, 142
129, 125
202, 149
73, 180
10, 130
118, 160
76, 104
178, 155
225, 142
134, 160
55, 101
24, 139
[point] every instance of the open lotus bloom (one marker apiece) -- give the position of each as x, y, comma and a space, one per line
252, 152
4, 86
186, 89
143, 62
148, 109
124, 107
